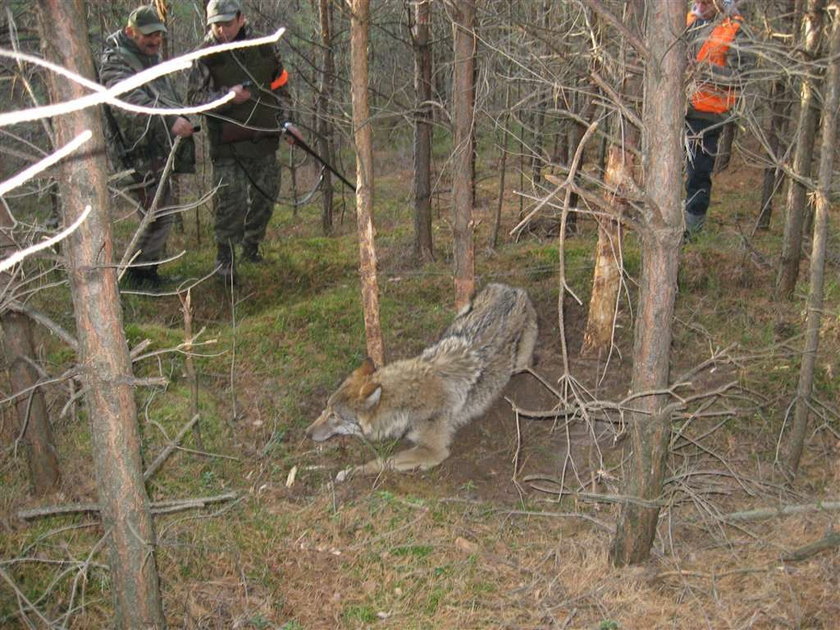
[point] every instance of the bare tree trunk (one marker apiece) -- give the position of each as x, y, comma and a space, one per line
423, 244
606, 281
30, 404
463, 115
779, 111
363, 135
538, 157
497, 218
803, 154
323, 113
831, 103
618, 180
781, 98
660, 234
104, 362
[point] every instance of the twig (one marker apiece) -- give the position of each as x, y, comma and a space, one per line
44, 320
158, 507
22, 598
166, 452
152, 213
803, 553
783, 510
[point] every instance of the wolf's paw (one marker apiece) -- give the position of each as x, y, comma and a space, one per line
343, 475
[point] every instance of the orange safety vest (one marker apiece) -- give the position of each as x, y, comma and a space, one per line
709, 97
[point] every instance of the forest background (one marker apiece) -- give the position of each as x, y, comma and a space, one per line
604, 490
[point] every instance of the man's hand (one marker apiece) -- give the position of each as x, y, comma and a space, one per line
241, 93
292, 134
182, 127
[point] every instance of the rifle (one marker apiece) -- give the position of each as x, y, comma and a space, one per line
299, 142
232, 133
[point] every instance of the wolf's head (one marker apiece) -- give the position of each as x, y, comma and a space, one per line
348, 409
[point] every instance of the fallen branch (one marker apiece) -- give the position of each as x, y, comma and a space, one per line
157, 507
165, 453
803, 553
784, 510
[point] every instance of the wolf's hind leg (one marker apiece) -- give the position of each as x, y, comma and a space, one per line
527, 342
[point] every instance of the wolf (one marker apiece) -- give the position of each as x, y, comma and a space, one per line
428, 397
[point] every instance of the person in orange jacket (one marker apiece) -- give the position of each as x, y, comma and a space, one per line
718, 56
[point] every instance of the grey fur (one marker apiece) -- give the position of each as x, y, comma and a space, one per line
428, 397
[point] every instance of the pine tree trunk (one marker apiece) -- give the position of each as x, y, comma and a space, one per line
463, 99
423, 244
831, 104
618, 181
660, 234
363, 135
806, 131
30, 404
779, 111
104, 362
323, 113
606, 280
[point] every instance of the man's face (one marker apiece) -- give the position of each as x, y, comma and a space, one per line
148, 44
227, 31
706, 9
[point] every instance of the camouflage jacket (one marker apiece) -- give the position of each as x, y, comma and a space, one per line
140, 141
252, 128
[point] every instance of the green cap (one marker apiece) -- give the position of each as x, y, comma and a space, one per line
146, 20
222, 10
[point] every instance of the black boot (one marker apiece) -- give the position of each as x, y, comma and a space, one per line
144, 279
251, 253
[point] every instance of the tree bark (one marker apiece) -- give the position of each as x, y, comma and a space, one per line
779, 111
618, 180
822, 202
803, 154
463, 116
104, 361
30, 405
421, 39
606, 281
363, 136
323, 113
660, 234
780, 97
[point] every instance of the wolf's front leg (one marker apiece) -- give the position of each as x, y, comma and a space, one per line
415, 458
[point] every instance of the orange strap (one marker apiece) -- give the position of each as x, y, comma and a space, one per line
280, 81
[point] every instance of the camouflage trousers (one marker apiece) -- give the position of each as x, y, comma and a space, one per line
245, 200
151, 245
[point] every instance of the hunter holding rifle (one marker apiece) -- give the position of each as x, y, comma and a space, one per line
141, 143
243, 134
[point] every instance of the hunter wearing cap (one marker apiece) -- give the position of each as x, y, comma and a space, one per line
717, 58
243, 134
142, 142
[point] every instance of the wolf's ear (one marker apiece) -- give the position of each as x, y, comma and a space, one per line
371, 393
367, 367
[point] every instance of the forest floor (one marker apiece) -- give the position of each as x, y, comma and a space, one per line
513, 530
